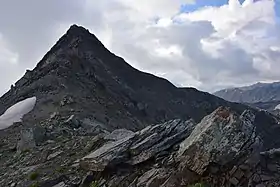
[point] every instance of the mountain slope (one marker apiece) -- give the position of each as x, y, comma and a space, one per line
260, 92
80, 77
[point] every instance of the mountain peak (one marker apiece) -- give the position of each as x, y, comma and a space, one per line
77, 27
82, 33
80, 77
76, 30
76, 37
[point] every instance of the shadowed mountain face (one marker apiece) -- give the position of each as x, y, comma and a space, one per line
80, 77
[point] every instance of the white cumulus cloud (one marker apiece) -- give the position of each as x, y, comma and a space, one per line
210, 48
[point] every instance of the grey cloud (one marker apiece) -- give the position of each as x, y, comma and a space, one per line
31, 27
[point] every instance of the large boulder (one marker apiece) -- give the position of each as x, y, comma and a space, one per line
219, 140
138, 147
26, 141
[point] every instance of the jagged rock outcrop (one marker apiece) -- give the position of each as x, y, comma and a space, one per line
136, 148
219, 139
224, 149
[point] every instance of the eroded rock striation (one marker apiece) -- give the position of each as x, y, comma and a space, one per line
224, 149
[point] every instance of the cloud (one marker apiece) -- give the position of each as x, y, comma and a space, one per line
8, 65
210, 48
6, 55
244, 38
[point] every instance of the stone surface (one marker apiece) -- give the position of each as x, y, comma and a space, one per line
119, 134
26, 141
224, 148
61, 184
219, 139
109, 154
53, 155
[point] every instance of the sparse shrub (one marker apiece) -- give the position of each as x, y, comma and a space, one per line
60, 169
34, 185
197, 185
94, 184
26, 151
33, 176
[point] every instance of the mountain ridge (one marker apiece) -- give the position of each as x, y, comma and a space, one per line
256, 93
80, 69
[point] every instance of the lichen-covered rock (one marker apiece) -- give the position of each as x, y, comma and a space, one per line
26, 141
219, 139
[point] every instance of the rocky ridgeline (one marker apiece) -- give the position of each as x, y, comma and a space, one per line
80, 77
224, 149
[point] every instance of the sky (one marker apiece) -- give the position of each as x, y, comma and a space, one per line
209, 45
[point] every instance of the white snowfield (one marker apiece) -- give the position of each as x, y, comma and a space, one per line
277, 107
16, 112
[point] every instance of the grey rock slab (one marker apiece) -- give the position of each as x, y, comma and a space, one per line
174, 132
153, 178
261, 185
29, 169
53, 155
109, 154
61, 184
119, 134
40, 134
26, 141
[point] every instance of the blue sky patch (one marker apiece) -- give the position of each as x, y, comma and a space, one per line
202, 3
277, 8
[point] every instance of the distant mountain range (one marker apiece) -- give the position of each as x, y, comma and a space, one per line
261, 95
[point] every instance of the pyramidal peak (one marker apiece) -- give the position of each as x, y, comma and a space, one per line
78, 69
76, 39
79, 31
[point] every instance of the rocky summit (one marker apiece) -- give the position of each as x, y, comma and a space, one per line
83, 117
80, 77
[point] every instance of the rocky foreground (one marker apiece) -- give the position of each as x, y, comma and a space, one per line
224, 149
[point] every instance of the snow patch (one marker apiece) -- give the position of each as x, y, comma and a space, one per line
277, 107
16, 112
